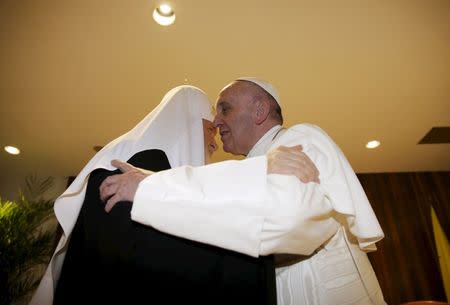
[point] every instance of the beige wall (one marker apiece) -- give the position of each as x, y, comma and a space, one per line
10, 186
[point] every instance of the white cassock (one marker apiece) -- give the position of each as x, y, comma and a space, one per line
235, 205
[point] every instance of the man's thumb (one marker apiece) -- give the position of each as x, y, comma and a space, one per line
123, 166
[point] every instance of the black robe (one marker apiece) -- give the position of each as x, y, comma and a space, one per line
113, 260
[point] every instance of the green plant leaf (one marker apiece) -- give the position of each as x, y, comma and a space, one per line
25, 244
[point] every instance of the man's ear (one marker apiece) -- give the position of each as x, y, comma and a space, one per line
262, 111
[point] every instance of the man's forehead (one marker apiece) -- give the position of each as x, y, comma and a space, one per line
227, 95
220, 103
228, 88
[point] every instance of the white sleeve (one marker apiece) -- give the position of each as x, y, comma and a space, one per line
299, 219
219, 204
237, 206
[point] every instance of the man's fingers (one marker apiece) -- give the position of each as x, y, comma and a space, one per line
108, 187
123, 166
111, 203
297, 147
121, 187
290, 149
292, 161
293, 153
106, 192
307, 171
307, 174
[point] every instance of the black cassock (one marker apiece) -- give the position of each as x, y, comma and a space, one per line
113, 260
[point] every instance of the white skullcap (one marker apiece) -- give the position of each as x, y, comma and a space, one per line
265, 85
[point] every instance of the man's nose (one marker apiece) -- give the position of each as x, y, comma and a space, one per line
217, 121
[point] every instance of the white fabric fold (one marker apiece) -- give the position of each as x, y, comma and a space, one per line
340, 273
339, 182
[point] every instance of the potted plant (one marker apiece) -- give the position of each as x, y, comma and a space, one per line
27, 240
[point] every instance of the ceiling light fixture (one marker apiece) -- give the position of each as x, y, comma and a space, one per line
12, 150
164, 15
373, 144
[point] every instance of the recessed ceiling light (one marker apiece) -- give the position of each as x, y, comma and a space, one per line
12, 150
164, 15
372, 144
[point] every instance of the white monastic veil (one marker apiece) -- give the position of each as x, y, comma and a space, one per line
174, 126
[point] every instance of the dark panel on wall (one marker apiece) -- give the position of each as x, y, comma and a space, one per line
436, 135
406, 262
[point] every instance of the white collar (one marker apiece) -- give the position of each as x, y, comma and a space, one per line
263, 144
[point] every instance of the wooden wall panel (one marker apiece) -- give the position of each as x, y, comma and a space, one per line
406, 262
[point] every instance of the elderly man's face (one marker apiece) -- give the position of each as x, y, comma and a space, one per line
209, 133
234, 118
